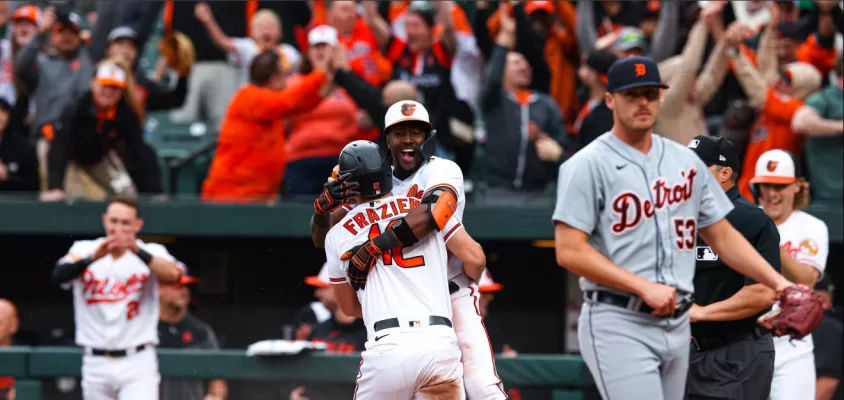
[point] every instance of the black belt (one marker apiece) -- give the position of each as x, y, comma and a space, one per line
116, 353
452, 287
394, 322
635, 303
707, 343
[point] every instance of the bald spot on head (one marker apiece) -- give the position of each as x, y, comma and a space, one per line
8, 321
396, 91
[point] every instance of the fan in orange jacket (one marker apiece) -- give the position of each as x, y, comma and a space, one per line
249, 162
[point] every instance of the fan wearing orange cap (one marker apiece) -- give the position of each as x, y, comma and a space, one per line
317, 311
24, 26
806, 240
340, 332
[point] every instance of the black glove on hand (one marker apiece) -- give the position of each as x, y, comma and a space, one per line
363, 259
337, 193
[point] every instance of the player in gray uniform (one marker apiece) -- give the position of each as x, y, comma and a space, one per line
629, 206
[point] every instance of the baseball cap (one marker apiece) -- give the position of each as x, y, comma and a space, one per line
186, 278
533, 6
404, 111
633, 72
319, 280
715, 150
111, 75
122, 32
27, 13
322, 34
487, 285
630, 38
775, 166
69, 19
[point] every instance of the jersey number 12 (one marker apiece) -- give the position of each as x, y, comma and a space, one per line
395, 254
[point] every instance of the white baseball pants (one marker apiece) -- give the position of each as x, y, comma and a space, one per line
134, 377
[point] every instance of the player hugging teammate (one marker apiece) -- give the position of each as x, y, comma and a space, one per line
434, 186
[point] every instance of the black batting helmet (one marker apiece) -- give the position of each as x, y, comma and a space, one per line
368, 167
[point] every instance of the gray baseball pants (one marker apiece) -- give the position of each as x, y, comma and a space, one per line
632, 355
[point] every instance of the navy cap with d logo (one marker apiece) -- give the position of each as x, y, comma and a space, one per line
633, 72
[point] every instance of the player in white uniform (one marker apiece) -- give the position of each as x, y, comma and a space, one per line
387, 260
806, 239
415, 174
115, 301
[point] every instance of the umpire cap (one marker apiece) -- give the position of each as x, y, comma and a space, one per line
715, 150
633, 72
368, 167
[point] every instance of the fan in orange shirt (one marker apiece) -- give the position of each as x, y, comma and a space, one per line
250, 160
778, 103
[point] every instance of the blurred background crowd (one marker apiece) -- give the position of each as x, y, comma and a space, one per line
90, 107
273, 90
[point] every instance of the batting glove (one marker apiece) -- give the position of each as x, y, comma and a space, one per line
336, 194
363, 258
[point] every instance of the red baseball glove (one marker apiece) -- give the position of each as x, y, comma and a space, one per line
801, 311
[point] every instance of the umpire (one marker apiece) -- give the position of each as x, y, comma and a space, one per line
731, 357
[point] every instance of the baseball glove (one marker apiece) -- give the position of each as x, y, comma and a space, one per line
338, 192
800, 312
177, 49
362, 258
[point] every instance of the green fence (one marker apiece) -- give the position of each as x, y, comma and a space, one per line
565, 373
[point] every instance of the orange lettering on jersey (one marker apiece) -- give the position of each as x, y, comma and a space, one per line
385, 212
395, 209
372, 215
360, 219
404, 208
110, 290
350, 226
414, 192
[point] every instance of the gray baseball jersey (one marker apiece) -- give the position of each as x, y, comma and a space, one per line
641, 211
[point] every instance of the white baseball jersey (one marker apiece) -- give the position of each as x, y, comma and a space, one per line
406, 282
434, 173
115, 301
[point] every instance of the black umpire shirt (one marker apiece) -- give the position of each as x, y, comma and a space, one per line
715, 281
829, 351
189, 333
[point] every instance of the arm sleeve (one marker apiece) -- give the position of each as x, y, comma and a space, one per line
482, 34
160, 97
244, 49
667, 31
158, 250
532, 46
818, 103
269, 104
490, 94
27, 60
586, 33
65, 270
446, 174
364, 94
579, 195
336, 268
768, 246
714, 203
61, 149
814, 248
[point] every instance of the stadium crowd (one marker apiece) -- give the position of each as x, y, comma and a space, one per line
514, 89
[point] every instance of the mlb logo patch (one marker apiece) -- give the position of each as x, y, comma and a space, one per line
694, 143
705, 253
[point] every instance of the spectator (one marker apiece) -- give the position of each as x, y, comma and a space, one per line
615, 15
487, 289
25, 25
57, 77
18, 165
8, 329
681, 116
362, 44
212, 81
315, 312
425, 61
517, 118
123, 43
778, 101
250, 159
98, 149
828, 339
595, 118
738, 121
265, 33
820, 120
179, 329
316, 137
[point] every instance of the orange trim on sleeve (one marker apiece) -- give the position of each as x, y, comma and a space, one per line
397, 9
397, 47
441, 55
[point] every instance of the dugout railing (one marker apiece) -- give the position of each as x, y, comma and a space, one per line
566, 375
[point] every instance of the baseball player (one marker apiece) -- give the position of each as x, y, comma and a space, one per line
393, 274
806, 239
115, 301
417, 173
629, 206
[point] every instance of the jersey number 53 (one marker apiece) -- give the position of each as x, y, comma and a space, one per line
396, 253
686, 230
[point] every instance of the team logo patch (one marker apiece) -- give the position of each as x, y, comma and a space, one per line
809, 247
694, 143
641, 70
705, 253
772, 165
407, 109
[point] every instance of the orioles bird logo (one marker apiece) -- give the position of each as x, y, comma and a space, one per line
772, 165
641, 70
407, 109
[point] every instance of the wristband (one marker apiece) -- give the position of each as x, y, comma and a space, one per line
399, 235
144, 256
